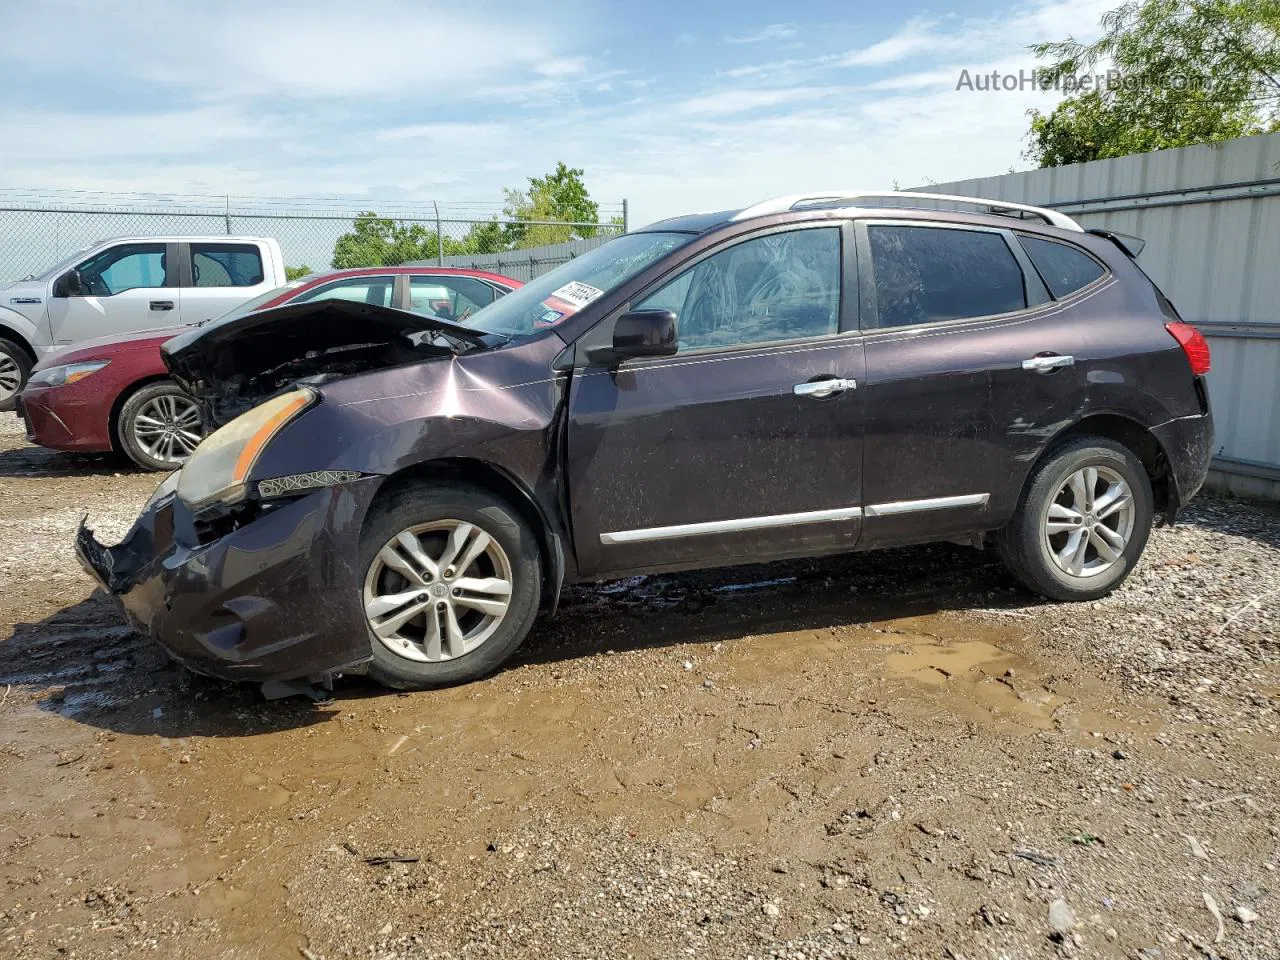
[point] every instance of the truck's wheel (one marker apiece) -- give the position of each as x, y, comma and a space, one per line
159, 426
1083, 521
451, 587
15, 366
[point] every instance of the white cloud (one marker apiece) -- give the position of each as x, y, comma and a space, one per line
312, 109
916, 37
684, 39
773, 32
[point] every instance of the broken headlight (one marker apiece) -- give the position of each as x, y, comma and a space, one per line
216, 472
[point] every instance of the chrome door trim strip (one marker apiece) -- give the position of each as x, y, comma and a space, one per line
936, 503
729, 526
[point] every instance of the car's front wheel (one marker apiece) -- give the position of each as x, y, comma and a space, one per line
1083, 521
159, 426
451, 586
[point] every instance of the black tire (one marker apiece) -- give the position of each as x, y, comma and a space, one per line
126, 423
416, 506
11, 355
1024, 547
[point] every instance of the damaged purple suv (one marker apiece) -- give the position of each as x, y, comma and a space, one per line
816, 374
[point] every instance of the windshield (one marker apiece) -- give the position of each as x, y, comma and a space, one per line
251, 305
545, 302
61, 265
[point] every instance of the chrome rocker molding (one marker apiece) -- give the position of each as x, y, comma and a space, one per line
918, 506
646, 534
729, 526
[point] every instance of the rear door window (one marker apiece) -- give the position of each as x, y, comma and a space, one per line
448, 297
934, 274
375, 290
1063, 268
226, 265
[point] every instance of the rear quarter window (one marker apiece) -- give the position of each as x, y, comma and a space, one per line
1063, 268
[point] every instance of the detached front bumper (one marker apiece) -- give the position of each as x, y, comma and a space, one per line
274, 597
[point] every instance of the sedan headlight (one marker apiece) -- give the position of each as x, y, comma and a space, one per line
66, 373
216, 472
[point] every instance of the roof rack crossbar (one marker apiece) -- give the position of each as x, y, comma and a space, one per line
790, 202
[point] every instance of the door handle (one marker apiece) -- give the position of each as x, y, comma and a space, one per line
1045, 364
823, 388
161, 304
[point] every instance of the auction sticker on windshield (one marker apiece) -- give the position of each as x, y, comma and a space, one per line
566, 300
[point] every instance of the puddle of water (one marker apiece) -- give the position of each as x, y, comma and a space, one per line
976, 674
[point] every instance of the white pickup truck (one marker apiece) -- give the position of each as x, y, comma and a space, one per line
128, 284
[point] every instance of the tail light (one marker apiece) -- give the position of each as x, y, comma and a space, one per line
1193, 344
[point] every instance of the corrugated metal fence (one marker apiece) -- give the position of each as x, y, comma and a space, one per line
524, 265
1211, 219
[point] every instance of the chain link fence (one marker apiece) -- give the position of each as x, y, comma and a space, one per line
38, 229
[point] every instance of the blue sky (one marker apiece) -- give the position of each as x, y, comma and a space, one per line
678, 106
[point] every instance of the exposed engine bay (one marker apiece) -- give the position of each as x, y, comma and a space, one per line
237, 363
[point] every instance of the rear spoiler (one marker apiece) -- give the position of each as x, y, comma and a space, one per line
1129, 244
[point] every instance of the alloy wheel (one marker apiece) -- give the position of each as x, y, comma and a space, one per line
168, 428
1088, 524
10, 377
438, 590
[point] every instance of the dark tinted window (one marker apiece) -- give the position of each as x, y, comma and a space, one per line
931, 274
778, 287
1064, 268
225, 265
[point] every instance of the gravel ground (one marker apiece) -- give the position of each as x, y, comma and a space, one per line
882, 755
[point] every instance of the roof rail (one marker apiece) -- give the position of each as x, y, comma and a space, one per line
789, 203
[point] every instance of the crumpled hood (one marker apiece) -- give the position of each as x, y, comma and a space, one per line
239, 361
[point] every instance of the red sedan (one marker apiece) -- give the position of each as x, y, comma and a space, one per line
115, 393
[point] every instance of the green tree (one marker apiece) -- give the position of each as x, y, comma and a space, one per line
296, 273
376, 241
1189, 71
559, 196
484, 237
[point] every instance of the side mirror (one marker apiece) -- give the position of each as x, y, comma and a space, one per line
68, 285
640, 333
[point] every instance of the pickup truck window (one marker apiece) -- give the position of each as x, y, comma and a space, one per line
126, 267
226, 265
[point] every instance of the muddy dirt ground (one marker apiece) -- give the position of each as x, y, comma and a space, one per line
894, 754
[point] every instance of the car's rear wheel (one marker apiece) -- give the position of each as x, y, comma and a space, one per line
1083, 521
159, 426
15, 366
451, 585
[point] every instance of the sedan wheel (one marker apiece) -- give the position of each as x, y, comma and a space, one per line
437, 591
160, 427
